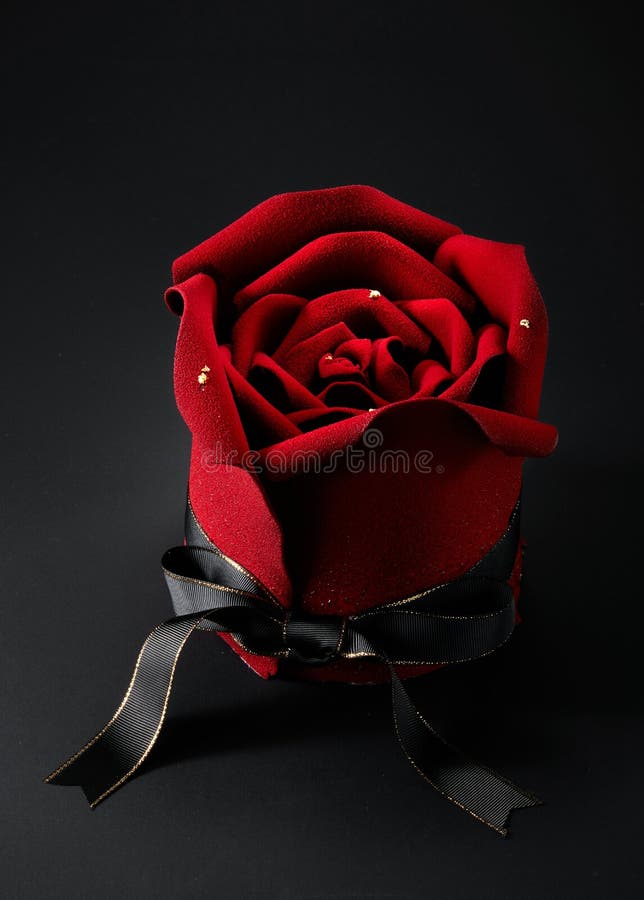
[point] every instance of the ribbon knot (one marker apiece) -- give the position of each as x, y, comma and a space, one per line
313, 640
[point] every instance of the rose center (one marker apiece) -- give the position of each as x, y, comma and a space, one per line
330, 367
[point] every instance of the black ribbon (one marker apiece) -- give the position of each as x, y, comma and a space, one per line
454, 622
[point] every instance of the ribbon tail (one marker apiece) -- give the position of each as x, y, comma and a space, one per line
484, 794
110, 758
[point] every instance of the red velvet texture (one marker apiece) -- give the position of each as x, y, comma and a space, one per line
324, 328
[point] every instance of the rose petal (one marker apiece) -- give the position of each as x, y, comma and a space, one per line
337, 368
280, 225
499, 276
428, 376
263, 423
361, 259
364, 317
235, 514
274, 379
312, 419
302, 359
357, 349
208, 408
351, 394
388, 377
491, 344
446, 323
262, 327
459, 509
515, 435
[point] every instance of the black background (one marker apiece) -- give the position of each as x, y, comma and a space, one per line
134, 132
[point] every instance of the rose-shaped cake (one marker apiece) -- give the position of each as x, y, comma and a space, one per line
362, 382
321, 321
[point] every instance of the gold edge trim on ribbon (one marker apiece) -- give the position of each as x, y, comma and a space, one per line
358, 654
219, 587
425, 593
94, 803
427, 662
211, 585
375, 610
262, 587
278, 654
343, 631
48, 779
503, 831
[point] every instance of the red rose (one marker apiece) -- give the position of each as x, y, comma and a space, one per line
327, 327
361, 381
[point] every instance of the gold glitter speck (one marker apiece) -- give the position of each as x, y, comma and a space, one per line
202, 378
525, 323
373, 295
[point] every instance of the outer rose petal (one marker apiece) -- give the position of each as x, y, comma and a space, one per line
233, 511
513, 435
210, 413
356, 539
499, 276
366, 259
228, 501
282, 224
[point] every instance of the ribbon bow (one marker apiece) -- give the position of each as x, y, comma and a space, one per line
462, 620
